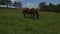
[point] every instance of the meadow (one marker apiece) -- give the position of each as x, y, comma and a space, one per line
12, 22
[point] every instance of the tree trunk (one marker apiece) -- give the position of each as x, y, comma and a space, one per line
7, 5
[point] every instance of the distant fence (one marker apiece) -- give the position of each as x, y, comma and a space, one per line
6, 6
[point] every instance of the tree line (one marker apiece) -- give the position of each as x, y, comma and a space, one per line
42, 6
50, 7
10, 3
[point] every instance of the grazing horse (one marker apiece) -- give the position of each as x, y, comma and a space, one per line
30, 12
33, 13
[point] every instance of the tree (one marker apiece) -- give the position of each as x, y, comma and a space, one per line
57, 8
6, 2
51, 7
17, 4
58, 5
43, 6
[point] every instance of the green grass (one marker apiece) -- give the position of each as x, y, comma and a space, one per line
12, 22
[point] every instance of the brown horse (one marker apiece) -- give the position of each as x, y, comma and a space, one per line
30, 12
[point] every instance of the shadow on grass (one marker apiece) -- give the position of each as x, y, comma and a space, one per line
34, 18
29, 29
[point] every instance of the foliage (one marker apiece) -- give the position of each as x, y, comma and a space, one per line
51, 7
5, 2
17, 4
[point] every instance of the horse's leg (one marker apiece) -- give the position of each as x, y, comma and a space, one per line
37, 15
33, 15
30, 15
27, 14
24, 14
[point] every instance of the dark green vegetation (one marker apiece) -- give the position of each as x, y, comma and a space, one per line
12, 22
50, 7
5, 2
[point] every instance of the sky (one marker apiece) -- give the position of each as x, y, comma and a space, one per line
35, 3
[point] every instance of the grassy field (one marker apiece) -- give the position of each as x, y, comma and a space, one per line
12, 22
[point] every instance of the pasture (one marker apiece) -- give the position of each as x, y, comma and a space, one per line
12, 22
